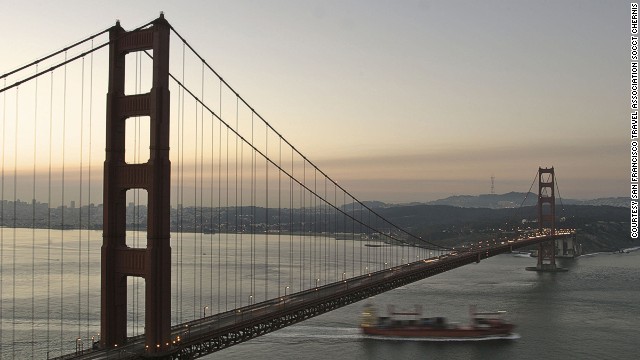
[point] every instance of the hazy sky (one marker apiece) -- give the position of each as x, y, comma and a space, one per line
402, 100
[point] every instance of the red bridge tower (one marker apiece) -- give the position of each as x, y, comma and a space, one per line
119, 261
546, 220
546, 217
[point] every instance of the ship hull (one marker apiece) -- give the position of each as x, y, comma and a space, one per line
460, 332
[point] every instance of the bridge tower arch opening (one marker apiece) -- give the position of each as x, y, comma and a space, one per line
119, 261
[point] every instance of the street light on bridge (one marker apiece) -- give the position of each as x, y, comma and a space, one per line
79, 346
284, 298
204, 311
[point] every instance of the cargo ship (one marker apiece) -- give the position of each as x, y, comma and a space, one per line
483, 325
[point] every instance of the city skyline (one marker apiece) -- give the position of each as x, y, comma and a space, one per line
399, 103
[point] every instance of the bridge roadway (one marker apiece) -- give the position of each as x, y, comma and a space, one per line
212, 333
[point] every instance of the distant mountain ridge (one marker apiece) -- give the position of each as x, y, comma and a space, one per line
498, 201
490, 201
517, 199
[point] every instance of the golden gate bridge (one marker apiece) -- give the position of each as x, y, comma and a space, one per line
215, 229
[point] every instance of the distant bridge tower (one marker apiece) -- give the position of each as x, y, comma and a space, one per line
493, 190
119, 261
546, 220
546, 217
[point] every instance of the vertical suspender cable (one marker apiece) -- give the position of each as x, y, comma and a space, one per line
369, 235
383, 258
327, 219
253, 215
198, 210
33, 224
220, 201
179, 200
195, 213
89, 192
181, 189
226, 227
279, 209
303, 208
335, 203
226, 223
201, 179
366, 238
64, 140
362, 238
4, 112
309, 238
344, 243
15, 199
378, 254
176, 278
241, 214
49, 220
319, 246
235, 230
301, 245
80, 202
266, 177
211, 221
291, 225
353, 240
315, 223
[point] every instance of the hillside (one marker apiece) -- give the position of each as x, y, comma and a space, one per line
599, 228
517, 199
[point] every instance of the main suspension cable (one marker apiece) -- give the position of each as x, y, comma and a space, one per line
302, 184
294, 148
38, 61
66, 61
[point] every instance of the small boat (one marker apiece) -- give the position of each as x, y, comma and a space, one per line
482, 325
376, 245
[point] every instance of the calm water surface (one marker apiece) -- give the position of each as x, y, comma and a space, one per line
590, 312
